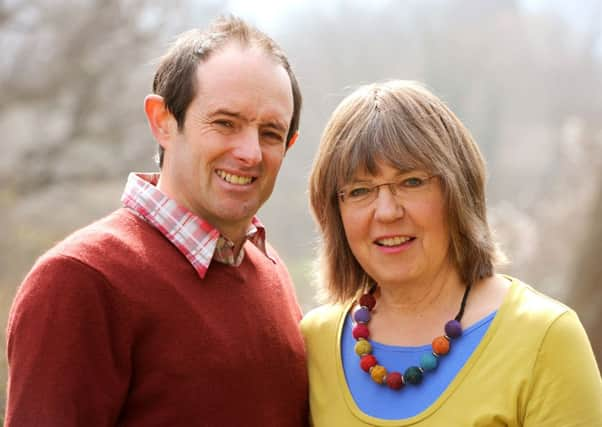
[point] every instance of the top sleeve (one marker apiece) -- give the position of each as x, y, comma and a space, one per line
567, 388
67, 348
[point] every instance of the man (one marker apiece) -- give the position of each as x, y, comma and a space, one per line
173, 310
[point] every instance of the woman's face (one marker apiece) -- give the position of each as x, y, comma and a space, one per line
398, 232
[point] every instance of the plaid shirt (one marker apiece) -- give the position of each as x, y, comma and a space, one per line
198, 240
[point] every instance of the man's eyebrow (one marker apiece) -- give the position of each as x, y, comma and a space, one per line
274, 123
225, 112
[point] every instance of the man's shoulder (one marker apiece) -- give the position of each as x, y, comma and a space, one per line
114, 236
111, 247
121, 224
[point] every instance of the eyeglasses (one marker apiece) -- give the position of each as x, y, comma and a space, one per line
402, 188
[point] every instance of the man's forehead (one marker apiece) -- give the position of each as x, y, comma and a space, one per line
235, 52
246, 86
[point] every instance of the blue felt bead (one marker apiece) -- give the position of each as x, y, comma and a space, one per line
428, 361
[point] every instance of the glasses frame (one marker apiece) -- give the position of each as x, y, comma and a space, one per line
391, 184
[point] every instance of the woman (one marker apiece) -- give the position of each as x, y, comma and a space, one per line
419, 329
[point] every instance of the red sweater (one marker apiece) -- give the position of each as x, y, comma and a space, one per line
113, 327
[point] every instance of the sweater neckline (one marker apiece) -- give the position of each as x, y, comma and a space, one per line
453, 386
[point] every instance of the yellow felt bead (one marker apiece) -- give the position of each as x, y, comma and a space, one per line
378, 374
363, 347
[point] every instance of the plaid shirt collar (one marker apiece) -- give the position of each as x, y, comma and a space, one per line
198, 240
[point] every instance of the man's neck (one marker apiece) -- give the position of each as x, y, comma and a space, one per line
238, 237
236, 233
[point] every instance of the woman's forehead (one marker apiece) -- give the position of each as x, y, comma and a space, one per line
379, 166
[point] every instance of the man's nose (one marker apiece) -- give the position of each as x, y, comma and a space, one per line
248, 147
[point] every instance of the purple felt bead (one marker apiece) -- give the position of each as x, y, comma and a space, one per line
453, 329
362, 315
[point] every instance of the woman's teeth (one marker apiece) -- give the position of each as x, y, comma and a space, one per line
392, 241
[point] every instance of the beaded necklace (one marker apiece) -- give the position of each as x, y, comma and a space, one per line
413, 374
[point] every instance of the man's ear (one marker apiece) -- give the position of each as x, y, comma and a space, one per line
292, 141
160, 120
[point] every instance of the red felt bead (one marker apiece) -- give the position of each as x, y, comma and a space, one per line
360, 330
368, 361
368, 301
394, 380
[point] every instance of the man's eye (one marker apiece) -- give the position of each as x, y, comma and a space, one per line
224, 123
358, 192
273, 136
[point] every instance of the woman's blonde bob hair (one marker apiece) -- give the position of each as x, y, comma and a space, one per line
403, 124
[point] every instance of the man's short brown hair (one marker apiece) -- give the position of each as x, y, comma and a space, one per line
175, 77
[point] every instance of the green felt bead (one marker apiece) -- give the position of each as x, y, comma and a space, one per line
413, 375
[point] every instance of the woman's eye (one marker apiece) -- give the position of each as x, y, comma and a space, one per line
412, 182
359, 192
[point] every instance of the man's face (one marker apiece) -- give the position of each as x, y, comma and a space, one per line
223, 165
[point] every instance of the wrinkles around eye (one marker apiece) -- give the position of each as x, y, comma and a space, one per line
224, 123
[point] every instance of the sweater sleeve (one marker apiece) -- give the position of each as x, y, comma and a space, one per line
567, 389
69, 362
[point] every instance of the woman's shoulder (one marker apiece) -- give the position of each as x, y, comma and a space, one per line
524, 298
322, 318
536, 312
559, 340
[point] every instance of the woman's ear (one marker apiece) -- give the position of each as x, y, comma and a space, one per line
159, 119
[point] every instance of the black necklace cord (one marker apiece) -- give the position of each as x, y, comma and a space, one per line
463, 304
372, 288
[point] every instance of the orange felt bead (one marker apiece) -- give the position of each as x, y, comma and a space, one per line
441, 345
378, 374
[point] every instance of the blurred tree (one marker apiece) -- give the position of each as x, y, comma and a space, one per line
585, 287
68, 75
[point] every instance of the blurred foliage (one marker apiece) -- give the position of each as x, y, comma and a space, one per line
526, 81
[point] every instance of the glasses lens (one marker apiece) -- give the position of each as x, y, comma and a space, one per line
359, 194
